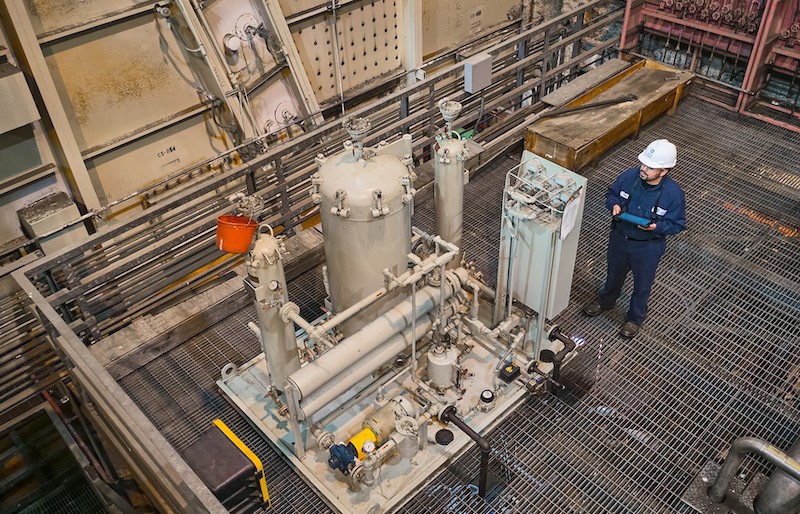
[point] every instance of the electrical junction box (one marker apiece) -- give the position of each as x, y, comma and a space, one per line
16, 102
52, 213
509, 372
477, 72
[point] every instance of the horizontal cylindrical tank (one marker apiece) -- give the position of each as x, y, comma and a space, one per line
326, 378
365, 201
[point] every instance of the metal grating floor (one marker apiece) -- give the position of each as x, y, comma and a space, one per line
717, 359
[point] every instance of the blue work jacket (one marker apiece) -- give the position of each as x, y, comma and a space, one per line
664, 203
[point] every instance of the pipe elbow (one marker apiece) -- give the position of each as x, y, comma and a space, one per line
569, 344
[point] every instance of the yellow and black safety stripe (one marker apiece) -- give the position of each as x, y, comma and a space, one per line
262, 481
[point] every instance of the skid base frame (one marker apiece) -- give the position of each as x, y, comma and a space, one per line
398, 478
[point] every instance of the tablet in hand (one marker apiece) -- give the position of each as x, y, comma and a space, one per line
636, 220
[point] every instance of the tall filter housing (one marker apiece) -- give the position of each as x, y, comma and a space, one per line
366, 197
450, 155
266, 285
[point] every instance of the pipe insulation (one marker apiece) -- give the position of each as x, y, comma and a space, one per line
356, 357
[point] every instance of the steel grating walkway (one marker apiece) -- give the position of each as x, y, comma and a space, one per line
717, 359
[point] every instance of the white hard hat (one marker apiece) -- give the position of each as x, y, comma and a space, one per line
659, 154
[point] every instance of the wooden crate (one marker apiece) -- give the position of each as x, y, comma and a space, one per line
576, 139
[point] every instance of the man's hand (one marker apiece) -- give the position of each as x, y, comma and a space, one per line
616, 210
648, 228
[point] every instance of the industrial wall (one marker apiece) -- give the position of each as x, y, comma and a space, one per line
108, 98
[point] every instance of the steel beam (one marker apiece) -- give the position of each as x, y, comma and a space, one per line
27, 49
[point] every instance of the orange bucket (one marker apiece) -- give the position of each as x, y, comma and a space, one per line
234, 233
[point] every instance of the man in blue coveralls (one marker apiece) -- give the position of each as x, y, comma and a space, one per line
646, 192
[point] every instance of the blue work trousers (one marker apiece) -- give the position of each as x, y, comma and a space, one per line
639, 257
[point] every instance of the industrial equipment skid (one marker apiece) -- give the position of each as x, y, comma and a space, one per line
398, 478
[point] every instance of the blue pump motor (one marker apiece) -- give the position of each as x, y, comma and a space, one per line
343, 457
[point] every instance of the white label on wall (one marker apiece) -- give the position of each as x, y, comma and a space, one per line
167, 160
475, 18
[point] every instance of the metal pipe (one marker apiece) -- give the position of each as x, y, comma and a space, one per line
372, 387
293, 405
475, 305
101, 470
739, 449
449, 416
781, 493
510, 284
414, 331
590, 105
292, 312
558, 358
428, 265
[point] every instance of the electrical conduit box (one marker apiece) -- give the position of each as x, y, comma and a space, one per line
477, 72
16, 102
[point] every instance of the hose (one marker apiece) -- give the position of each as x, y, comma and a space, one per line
173, 24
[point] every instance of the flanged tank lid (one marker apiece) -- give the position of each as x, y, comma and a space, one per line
487, 396
444, 437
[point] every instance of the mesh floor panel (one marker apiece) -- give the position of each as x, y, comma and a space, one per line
717, 358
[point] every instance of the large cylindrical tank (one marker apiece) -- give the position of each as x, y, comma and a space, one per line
365, 205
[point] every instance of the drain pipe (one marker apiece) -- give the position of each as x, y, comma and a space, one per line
449, 416
557, 358
739, 449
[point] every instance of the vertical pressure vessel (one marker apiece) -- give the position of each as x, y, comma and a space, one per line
365, 197
266, 284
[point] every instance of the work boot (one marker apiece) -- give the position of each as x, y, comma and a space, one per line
593, 309
629, 329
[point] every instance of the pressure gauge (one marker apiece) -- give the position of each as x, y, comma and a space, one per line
369, 446
273, 285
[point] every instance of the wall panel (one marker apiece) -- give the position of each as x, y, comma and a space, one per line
56, 15
369, 46
142, 162
120, 78
445, 24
